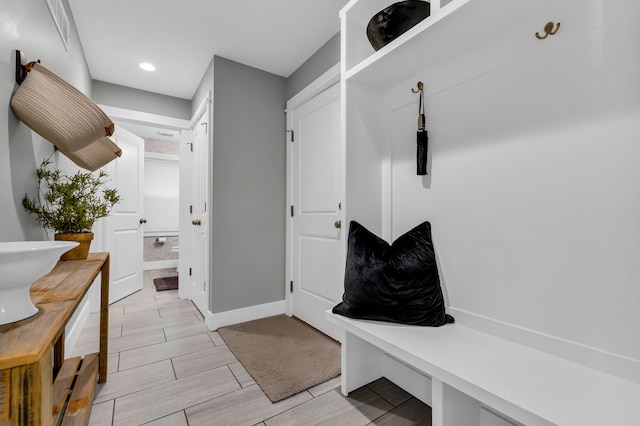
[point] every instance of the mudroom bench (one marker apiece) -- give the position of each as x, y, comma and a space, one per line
473, 378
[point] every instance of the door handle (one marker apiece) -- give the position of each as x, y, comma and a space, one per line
196, 222
143, 220
338, 224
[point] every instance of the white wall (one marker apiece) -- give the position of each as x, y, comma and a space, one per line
161, 195
534, 185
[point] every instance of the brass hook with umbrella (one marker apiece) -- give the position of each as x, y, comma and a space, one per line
422, 136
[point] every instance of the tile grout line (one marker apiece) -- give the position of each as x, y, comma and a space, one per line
233, 374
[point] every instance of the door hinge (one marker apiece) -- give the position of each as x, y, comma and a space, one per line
292, 211
189, 271
292, 135
291, 287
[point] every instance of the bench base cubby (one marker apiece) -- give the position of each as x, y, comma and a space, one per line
363, 363
473, 378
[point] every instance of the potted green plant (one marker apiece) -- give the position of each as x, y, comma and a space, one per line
70, 205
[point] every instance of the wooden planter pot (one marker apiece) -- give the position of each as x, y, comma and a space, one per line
80, 252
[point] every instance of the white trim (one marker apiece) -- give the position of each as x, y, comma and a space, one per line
200, 111
160, 264
61, 19
140, 117
163, 233
161, 157
319, 85
597, 359
74, 327
250, 313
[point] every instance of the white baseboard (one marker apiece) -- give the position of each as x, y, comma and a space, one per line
222, 319
75, 325
597, 359
160, 264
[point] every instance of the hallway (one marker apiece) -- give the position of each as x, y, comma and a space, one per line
166, 368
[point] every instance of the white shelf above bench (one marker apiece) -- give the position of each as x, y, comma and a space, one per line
529, 386
455, 27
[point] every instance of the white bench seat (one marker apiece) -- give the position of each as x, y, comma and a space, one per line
461, 373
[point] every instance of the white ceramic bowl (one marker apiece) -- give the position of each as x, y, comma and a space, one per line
21, 264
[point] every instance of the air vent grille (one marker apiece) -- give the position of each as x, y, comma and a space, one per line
61, 20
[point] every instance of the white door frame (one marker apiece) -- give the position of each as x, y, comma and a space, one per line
326, 80
187, 205
138, 117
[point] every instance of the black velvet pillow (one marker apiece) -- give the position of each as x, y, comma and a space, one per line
397, 283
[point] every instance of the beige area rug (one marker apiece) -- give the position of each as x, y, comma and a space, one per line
284, 355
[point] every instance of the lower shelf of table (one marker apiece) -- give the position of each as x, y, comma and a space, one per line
73, 390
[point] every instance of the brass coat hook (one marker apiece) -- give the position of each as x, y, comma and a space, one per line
548, 30
420, 87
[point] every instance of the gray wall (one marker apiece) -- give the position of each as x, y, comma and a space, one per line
248, 176
27, 25
104, 93
326, 57
248, 187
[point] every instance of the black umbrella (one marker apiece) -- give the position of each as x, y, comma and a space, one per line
423, 137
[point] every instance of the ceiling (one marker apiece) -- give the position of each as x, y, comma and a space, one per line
181, 36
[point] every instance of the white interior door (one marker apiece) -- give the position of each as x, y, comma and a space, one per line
197, 246
123, 229
316, 193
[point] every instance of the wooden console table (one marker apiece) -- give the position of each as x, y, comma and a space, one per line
37, 385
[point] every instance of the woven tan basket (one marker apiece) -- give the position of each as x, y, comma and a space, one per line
58, 111
94, 155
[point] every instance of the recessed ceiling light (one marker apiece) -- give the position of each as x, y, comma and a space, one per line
147, 66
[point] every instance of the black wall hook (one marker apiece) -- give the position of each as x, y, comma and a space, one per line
21, 70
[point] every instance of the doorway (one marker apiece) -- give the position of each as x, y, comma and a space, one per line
159, 128
123, 228
196, 209
161, 169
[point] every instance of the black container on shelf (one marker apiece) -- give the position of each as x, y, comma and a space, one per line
395, 20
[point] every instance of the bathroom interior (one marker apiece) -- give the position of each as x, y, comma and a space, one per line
161, 194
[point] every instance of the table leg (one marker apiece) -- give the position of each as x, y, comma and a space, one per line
104, 320
58, 354
31, 399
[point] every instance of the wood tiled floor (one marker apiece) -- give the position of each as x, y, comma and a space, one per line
167, 368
